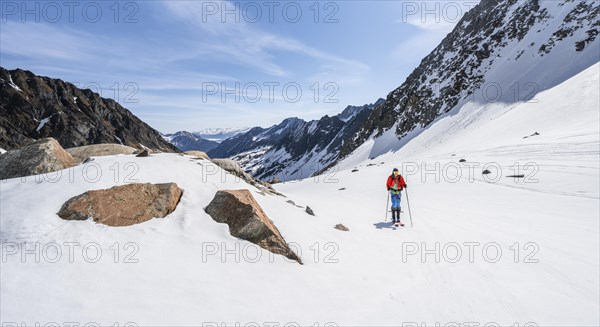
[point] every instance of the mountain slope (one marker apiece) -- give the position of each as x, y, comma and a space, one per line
254, 138
370, 275
34, 107
545, 224
500, 51
294, 148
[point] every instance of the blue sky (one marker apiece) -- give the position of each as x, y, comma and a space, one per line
189, 65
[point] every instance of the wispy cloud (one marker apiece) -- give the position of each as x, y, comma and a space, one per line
247, 44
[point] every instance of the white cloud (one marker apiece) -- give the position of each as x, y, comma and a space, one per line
246, 44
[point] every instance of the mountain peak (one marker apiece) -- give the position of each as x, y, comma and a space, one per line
34, 107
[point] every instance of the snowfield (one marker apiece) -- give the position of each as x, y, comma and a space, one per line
484, 249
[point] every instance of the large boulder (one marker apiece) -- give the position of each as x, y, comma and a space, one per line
247, 220
197, 154
39, 157
123, 205
81, 153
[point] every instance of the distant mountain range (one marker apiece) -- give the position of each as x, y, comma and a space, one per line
203, 140
186, 141
291, 149
294, 148
219, 134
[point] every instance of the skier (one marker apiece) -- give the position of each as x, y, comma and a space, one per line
395, 184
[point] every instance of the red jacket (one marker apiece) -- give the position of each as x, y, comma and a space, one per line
399, 179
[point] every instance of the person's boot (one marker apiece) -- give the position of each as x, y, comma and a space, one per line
399, 210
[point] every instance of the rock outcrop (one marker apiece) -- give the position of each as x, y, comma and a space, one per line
123, 205
233, 168
247, 220
197, 154
81, 153
39, 157
34, 107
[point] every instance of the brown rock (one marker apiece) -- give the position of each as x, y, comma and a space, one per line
81, 153
123, 205
247, 220
39, 157
143, 153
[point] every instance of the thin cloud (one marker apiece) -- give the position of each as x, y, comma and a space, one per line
245, 43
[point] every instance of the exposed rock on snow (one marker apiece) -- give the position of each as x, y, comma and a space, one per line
143, 153
486, 172
81, 153
247, 220
197, 154
39, 157
309, 211
123, 205
341, 227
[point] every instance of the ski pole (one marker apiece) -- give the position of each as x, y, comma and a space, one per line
409, 213
387, 205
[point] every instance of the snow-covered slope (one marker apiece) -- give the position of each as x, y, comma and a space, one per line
552, 215
185, 270
220, 134
500, 51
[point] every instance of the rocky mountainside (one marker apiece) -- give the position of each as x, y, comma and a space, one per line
500, 51
187, 141
294, 148
255, 138
35, 107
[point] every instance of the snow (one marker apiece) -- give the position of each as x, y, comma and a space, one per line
119, 140
2, 151
187, 272
213, 131
43, 122
12, 84
220, 134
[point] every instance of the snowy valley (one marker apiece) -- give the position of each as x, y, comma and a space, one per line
496, 132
